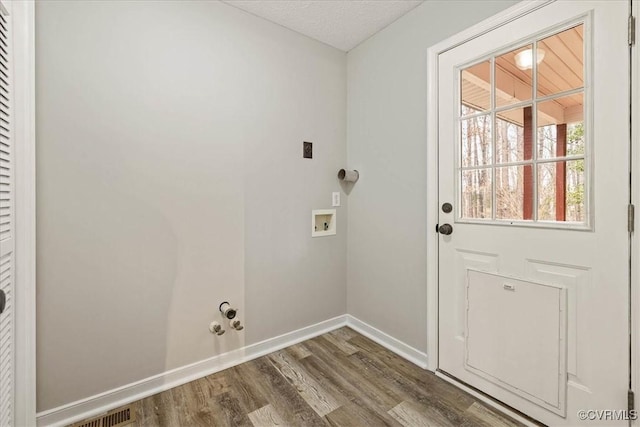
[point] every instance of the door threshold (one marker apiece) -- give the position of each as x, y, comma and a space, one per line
489, 400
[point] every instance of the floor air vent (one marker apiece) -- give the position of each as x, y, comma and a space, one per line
115, 418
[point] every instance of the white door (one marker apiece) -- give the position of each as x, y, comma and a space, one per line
7, 224
533, 159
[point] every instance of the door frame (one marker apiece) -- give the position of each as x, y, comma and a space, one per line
635, 199
25, 191
508, 15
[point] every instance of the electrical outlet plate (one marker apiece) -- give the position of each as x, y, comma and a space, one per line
323, 222
335, 199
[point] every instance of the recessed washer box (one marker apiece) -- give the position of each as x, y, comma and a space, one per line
323, 222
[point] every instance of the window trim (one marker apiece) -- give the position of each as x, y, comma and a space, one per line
589, 224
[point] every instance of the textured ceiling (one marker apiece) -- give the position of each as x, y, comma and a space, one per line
339, 23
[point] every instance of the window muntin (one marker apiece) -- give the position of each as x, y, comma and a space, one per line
522, 158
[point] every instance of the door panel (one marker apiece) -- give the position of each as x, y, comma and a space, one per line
545, 155
516, 336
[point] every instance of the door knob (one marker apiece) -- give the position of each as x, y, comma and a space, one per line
445, 229
3, 301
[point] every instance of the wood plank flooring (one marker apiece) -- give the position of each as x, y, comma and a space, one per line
337, 379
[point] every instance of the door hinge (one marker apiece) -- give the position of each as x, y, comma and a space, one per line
632, 30
631, 220
631, 398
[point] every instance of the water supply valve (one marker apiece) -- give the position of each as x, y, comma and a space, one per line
216, 328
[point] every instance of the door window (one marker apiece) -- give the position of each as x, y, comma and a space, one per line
522, 136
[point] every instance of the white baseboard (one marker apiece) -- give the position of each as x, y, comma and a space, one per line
398, 347
103, 402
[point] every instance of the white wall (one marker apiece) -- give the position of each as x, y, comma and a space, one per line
387, 99
170, 178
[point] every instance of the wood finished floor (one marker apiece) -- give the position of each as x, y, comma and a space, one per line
337, 379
